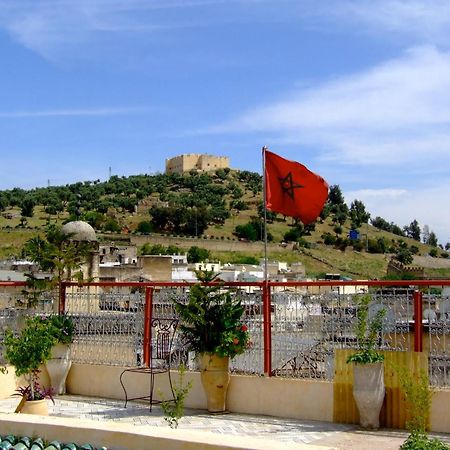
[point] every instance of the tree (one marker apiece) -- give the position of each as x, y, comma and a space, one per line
197, 254
404, 255
94, 219
246, 231
111, 225
335, 196
413, 230
238, 205
27, 207
340, 213
432, 239
382, 224
3, 202
358, 214
54, 253
144, 227
294, 234
149, 249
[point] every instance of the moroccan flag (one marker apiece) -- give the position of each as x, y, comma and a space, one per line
292, 189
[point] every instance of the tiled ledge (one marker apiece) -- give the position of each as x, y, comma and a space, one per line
117, 436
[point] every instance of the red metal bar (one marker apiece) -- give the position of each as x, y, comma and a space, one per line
62, 298
147, 324
371, 283
267, 330
418, 327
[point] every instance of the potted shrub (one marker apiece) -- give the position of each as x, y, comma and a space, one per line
62, 329
26, 352
211, 326
368, 369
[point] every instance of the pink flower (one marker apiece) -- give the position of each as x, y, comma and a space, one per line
235, 341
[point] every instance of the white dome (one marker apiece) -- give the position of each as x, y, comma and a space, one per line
79, 231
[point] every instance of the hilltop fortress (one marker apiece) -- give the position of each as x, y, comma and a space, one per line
195, 161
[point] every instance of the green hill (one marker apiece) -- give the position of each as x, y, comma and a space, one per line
204, 210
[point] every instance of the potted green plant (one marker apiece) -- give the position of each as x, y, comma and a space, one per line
62, 329
27, 352
212, 327
368, 368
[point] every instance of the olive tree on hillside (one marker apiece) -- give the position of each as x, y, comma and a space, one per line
413, 230
358, 214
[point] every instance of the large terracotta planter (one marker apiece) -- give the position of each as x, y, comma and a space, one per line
368, 392
215, 377
35, 407
58, 367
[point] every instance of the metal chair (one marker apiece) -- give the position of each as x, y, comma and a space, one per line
161, 341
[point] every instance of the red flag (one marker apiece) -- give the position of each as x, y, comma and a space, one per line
292, 189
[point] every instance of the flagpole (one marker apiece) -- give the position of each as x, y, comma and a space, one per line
266, 300
265, 211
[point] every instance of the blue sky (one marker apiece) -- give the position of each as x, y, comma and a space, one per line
359, 91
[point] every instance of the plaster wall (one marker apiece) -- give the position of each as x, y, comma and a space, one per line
293, 398
301, 399
311, 400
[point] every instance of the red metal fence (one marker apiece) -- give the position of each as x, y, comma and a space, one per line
295, 326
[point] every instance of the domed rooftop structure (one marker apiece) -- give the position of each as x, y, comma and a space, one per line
79, 231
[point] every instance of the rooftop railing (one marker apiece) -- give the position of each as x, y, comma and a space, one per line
295, 327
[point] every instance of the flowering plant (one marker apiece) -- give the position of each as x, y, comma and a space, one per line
211, 319
234, 342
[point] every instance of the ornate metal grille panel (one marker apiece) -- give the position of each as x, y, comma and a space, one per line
308, 324
250, 362
109, 324
436, 323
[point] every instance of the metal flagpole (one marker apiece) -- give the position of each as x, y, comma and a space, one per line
265, 211
267, 325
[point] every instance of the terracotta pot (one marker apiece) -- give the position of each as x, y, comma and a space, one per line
215, 376
35, 407
368, 392
58, 367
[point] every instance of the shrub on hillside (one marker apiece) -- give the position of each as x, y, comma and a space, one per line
357, 245
328, 239
144, 227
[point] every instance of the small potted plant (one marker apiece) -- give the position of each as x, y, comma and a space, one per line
62, 329
212, 327
27, 352
368, 369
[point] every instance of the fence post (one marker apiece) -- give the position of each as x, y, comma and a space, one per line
147, 324
267, 330
418, 328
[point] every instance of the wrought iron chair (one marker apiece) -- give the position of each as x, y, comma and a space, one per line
161, 342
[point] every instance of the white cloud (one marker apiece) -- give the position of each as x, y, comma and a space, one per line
396, 112
50, 26
428, 20
428, 205
74, 112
